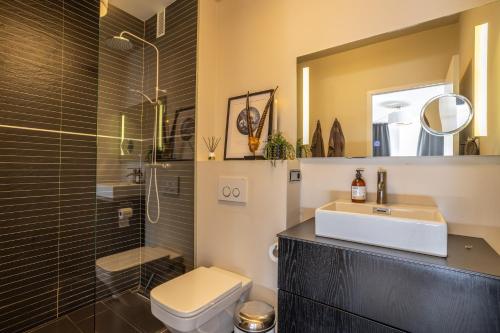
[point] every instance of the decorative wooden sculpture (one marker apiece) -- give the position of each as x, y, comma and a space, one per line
254, 139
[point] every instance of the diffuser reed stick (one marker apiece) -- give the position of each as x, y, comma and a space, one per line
211, 143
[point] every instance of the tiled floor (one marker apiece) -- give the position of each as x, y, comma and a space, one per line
127, 313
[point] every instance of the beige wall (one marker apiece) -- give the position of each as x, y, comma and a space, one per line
254, 45
463, 188
340, 83
490, 145
237, 236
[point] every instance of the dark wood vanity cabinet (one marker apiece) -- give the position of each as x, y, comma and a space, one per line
300, 314
326, 285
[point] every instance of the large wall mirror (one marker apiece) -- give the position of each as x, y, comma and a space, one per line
429, 90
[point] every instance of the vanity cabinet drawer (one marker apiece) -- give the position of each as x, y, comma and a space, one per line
301, 315
410, 296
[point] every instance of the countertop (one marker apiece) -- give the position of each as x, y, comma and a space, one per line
481, 259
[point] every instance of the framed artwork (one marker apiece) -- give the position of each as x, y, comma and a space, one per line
236, 140
180, 142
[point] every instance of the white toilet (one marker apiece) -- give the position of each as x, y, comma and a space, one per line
201, 301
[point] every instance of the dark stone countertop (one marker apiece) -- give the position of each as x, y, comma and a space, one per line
481, 259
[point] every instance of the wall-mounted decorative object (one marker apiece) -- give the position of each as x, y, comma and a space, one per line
240, 143
278, 148
336, 141
211, 143
471, 147
181, 139
317, 145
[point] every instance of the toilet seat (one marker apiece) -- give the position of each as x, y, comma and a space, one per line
189, 301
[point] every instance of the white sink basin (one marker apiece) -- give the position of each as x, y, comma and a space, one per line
118, 190
419, 229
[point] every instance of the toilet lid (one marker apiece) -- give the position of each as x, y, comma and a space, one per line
194, 292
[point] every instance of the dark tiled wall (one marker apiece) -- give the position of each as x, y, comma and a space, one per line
51, 225
177, 47
49, 61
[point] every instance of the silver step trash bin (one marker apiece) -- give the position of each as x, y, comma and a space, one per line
254, 317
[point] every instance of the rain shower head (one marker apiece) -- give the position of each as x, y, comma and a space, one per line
143, 95
119, 43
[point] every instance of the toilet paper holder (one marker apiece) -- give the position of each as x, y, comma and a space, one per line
125, 213
273, 252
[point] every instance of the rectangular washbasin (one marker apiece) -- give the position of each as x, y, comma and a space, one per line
413, 228
119, 190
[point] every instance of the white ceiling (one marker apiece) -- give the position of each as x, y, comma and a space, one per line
142, 9
415, 98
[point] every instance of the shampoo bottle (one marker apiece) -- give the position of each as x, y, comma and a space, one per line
358, 188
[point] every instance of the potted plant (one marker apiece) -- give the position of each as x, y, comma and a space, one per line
302, 149
278, 148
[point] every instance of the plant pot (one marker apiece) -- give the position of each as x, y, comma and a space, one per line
280, 153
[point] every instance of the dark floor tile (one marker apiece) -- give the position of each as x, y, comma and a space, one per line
87, 312
105, 322
60, 325
137, 311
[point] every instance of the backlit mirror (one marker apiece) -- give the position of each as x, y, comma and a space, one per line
367, 98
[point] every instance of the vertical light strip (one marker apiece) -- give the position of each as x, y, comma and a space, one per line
305, 105
122, 135
159, 143
481, 80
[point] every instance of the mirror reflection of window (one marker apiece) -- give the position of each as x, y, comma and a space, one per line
399, 111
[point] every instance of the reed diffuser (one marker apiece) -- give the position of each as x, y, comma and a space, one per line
211, 143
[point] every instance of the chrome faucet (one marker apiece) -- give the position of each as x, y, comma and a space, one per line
381, 187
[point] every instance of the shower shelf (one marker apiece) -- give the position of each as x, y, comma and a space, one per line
160, 165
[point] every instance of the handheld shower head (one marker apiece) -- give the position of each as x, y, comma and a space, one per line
119, 43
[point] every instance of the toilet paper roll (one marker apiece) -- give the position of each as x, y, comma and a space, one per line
273, 252
125, 213
123, 217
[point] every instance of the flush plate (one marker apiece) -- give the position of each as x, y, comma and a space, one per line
233, 189
171, 185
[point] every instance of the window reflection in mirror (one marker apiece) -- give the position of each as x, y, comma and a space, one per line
376, 88
396, 128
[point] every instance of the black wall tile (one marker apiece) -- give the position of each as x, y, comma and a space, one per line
49, 65
58, 75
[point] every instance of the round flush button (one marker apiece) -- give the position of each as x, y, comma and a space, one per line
226, 191
236, 192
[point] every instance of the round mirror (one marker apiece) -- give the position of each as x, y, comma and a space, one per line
446, 114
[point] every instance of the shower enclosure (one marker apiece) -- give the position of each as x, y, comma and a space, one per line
145, 152
97, 192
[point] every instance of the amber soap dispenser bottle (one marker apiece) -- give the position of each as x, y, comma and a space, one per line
358, 188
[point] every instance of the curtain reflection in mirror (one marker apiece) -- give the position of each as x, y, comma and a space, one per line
381, 140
